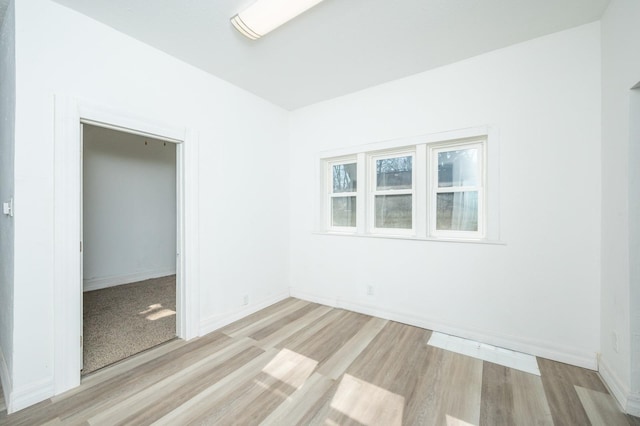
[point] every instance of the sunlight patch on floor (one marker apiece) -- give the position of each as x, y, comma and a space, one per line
505, 357
367, 403
156, 312
452, 421
291, 368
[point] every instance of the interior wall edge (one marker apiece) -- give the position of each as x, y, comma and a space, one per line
5, 380
547, 350
30, 394
214, 322
91, 284
633, 405
617, 388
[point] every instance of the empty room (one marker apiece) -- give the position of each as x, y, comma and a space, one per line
363, 212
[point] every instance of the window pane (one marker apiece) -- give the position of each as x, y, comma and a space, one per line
343, 211
394, 173
457, 211
458, 168
393, 211
345, 178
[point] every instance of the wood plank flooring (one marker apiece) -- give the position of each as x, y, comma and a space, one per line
299, 363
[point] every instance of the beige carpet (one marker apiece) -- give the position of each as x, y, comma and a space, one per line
124, 320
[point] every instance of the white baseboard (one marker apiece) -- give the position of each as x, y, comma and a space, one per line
215, 322
114, 280
5, 378
515, 343
30, 394
633, 405
616, 388
629, 402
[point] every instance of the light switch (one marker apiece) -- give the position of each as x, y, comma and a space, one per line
7, 208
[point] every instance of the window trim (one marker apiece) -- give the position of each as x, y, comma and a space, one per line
422, 178
434, 190
329, 195
372, 191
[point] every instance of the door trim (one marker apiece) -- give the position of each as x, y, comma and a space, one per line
69, 114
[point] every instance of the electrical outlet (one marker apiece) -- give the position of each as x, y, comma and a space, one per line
245, 300
614, 341
369, 290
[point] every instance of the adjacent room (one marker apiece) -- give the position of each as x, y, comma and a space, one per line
129, 244
320, 212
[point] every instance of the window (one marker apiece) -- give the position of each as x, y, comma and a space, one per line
343, 176
392, 196
457, 196
430, 188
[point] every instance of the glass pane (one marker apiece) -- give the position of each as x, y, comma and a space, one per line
343, 211
394, 173
393, 211
345, 178
457, 211
458, 168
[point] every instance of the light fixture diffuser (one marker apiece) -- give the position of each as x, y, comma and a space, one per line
266, 15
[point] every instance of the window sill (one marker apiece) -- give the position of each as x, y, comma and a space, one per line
413, 238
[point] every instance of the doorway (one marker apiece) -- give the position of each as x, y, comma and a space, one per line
70, 114
129, 244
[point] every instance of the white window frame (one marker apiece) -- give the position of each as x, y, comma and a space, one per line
330, 195
373, 191
434, 190
424, 149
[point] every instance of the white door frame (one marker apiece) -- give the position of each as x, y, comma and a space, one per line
67, 326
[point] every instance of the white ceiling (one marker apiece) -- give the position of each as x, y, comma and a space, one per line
339, 46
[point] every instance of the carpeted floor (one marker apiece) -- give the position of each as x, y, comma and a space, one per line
124, 320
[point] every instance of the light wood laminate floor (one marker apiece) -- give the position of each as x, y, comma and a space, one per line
301, 363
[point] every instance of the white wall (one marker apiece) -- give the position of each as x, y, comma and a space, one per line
243, 153
620, 72
129, 214
7, 135
539, 292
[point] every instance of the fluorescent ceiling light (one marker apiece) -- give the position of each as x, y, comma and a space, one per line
266, 15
